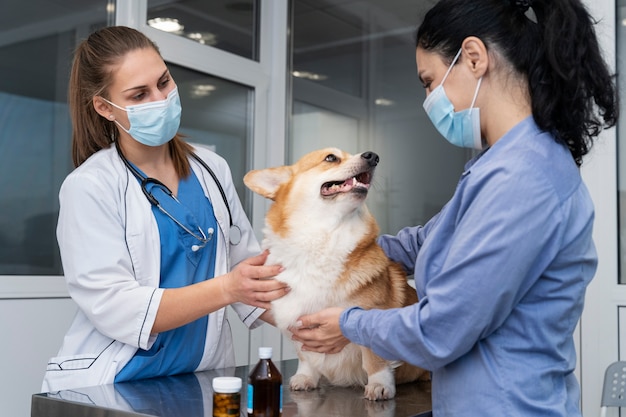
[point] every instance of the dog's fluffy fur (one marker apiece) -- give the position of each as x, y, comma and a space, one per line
319, 228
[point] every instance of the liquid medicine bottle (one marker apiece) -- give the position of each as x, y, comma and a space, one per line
265, 387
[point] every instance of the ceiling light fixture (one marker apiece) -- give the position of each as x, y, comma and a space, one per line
166, 24
384, 102
205, 38
309, 75
202, 90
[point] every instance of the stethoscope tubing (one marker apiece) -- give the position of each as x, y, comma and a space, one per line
235, 232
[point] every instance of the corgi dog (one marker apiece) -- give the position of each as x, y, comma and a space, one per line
319, 228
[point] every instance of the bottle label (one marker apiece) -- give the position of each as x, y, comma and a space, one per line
250, 398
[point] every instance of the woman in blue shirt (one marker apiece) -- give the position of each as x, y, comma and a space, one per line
501, 271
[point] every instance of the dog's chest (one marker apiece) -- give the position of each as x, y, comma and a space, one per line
312, 289
312, 272
312, 248
314, 256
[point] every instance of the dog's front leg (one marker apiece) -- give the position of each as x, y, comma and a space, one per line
381, 384
306, 378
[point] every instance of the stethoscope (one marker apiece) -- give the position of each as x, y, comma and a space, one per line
234, 232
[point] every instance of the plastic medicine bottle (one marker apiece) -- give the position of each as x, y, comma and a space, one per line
265, 383
226, 396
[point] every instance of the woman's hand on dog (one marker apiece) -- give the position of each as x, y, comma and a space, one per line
252, 282
320, 332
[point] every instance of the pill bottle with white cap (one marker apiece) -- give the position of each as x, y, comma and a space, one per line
226, 396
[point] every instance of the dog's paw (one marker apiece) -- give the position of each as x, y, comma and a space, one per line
375, 391
301, 382
379, 408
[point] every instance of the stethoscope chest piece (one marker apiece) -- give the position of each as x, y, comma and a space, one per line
234, 234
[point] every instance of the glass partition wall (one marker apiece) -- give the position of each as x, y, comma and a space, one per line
355, 87
36, 46
352, 84
229, 25
216, 113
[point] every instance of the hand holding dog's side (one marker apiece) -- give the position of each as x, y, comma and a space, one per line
251, 282
320, 332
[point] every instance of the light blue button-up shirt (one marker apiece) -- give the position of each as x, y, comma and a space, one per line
501, 274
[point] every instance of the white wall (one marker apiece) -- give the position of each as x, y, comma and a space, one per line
32, 331
599, 344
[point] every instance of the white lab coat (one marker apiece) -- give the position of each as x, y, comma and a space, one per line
109, 243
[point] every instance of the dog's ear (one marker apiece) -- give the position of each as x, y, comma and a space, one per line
266, 182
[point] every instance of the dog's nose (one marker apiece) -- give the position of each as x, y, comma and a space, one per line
371, 158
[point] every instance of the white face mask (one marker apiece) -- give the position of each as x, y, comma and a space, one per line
153, 123
459, 128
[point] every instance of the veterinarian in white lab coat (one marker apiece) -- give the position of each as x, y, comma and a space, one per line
501, 270
153, 238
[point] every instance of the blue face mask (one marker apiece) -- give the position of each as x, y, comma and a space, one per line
459, 128
153, 123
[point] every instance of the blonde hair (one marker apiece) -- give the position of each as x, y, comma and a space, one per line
91, 75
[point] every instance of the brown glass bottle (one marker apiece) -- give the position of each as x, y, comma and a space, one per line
265, 387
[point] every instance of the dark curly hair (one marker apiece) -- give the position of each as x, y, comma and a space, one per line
550, 42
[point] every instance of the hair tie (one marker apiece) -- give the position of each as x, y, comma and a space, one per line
526, 7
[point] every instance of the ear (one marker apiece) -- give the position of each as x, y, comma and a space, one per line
103, 108
266, 182
475, 55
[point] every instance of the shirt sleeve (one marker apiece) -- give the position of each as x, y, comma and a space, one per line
500, 233
404, 247
249, 315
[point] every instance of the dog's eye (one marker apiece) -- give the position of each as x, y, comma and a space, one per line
331, 158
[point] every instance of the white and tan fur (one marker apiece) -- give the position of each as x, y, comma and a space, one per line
325, 237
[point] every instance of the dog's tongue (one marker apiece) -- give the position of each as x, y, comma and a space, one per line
334, 188
344, 187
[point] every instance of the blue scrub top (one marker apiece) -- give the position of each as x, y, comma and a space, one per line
179, 350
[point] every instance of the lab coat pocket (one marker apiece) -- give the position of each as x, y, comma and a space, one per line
67, 372
72, 363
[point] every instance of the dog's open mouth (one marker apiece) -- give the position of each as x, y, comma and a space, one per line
359, 183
